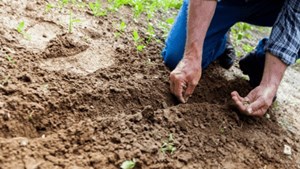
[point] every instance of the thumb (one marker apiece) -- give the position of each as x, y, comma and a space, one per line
255, 105
189, 91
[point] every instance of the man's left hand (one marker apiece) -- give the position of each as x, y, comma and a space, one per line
257, 102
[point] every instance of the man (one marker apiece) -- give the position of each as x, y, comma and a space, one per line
198, 37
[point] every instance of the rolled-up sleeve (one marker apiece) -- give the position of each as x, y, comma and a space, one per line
284, 41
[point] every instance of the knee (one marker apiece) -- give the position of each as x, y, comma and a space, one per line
171, 58
186, 1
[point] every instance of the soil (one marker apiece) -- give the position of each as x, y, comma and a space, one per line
89, 100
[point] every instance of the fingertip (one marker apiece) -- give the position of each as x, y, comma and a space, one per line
234, 98
182, 100
234, 93
249, 110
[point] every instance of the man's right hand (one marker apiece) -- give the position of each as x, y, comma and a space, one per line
185, 77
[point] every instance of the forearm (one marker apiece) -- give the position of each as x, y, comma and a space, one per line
200, 16
273, 72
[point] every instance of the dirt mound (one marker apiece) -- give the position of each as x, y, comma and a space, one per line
95, 102
65, 45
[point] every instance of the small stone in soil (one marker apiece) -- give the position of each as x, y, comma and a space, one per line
6, 116
23, 142
287, 150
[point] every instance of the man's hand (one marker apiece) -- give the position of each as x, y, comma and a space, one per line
257, 102
187, 74
185, 78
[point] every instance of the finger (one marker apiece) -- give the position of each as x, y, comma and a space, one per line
256, 105
260, 112
171, 86
178, 90
239, 102
236, 95
189, 91
240, 105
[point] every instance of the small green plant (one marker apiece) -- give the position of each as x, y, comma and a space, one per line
21, 27
129, 164
137, 41
21, 30
63, 3
168, 146
71, 22
150, 32
49, 7
298, 61
122, 26
10, 59
247, 48
96, 8
166, 26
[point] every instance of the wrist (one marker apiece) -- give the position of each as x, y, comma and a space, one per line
193, 54
273, 72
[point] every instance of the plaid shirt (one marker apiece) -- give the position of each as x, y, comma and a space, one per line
284, 41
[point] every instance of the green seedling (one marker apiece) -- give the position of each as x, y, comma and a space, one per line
49, 7
138, 8
63, 3
137, 41
71, 22
150, 32
168, 146
121, 29
21, 27
96, 8
247, 48
166, 26
10, 59
298, 61
21, 30
129, 164
122, 26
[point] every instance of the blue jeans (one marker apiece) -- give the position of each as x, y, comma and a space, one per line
228, 12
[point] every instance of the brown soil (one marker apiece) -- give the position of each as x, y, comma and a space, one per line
90, 100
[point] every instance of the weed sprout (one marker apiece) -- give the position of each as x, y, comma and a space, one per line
168, 146
129, 164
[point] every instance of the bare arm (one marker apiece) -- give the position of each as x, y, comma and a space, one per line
187, 74
200, 16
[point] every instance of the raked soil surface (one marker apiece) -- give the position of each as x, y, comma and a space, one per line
90, 100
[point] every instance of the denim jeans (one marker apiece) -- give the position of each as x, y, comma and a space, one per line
228, 12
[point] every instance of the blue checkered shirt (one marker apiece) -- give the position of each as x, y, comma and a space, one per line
284, 41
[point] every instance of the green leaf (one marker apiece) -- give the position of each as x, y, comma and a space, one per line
240, 36
140, 48
128, 164
21, 27
136, 36
170, 21
122, 26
